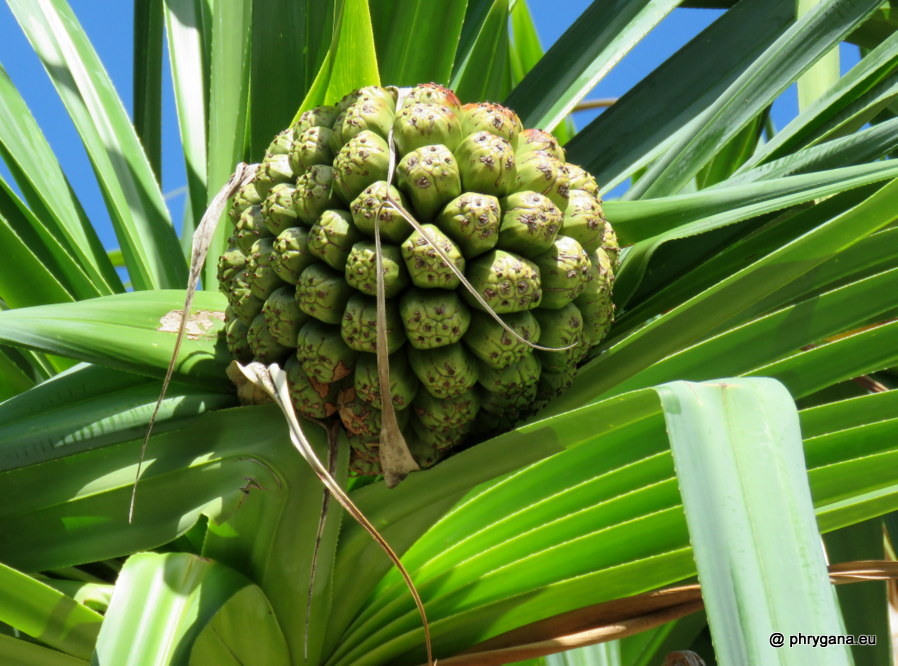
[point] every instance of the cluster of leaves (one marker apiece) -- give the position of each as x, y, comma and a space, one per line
752, 253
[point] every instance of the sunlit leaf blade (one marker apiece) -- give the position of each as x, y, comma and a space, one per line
678, 216
737, 451
25, 653
596, 41
13, 379
43, 285
63, 227
426, 27
865, 608
863, 146
274, 530
228, 94
134, 332
189, 69
793, 53
243, 631
186, 590
641, 122
41, 612
744, 348
45, 424
597, 521
204, 468
287, 38
822, 75
808, 371
148, 29
481, 72
135, 203
721, 303
853, 100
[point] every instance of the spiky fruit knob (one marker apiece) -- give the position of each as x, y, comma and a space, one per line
494, 345
322, 293
433, 317
583, 220
320, 116
486, 163
262, 278
486, 117
244, 304
229, 265
311, 398
283, 317
282, 143
507, 282
265, 348
418, 125
545, 174
315, 145
363, 160
332, 237
444, 372
359, 324
430, 178
277, 210
432, 93
595, 302
246, 196
323, 354
563, 271
273, 169
235, 338
530, 222
361, 269
451, 412
369, 109
537, 141
403, 383
291, 254
250, 228
426, 266
580, 179
373, 205
314, 194
514, 378
472, 221
559, 330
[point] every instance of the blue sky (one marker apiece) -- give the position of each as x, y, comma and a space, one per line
108, 23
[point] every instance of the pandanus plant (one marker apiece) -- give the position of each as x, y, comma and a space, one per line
417, 243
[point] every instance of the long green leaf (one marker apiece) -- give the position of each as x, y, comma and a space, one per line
43, 613
287, 38
739, 463
584, 54
866, 86
126, 179
46, 423
186, 592
134, 332
792, 54
148, 29
694, 319
25, 653
243, 631
189, 69
63, 228
626, 136
481, 72
228, 95
426, 27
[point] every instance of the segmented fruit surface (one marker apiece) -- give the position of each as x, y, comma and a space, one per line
511, 249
